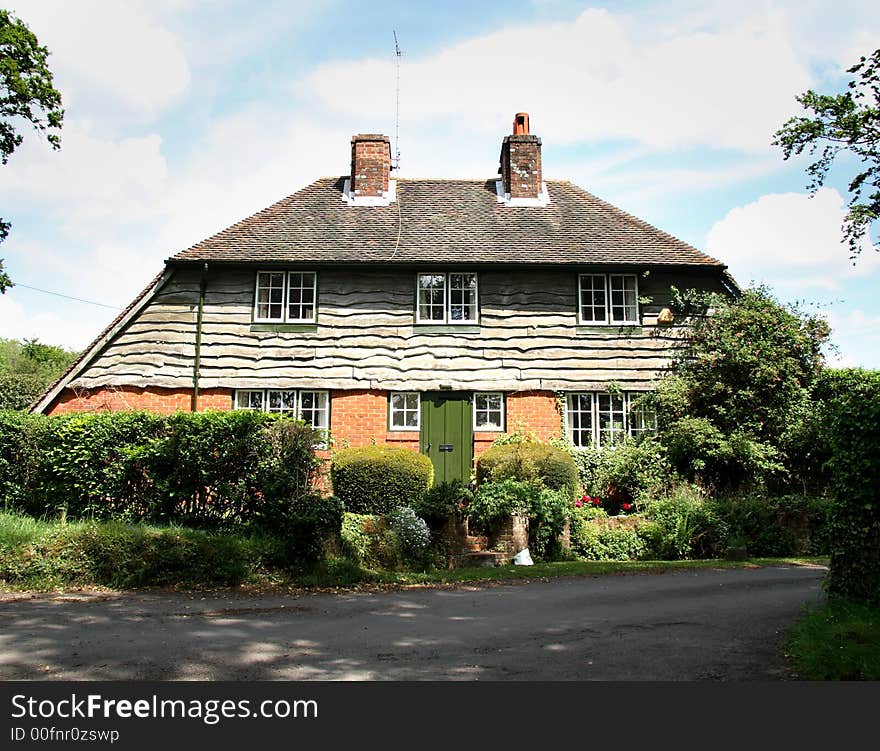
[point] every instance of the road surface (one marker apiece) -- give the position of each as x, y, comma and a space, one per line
688, 625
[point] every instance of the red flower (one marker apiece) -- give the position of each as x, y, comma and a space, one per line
597, 502
626, 506
578, 503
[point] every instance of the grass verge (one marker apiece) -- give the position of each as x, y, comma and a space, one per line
839, 641
37, 555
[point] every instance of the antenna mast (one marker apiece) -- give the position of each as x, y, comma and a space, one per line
397, 55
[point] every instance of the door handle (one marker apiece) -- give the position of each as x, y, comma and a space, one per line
429, 447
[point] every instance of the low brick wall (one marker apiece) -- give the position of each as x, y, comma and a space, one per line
511, 534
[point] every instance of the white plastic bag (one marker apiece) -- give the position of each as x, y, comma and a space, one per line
523, 558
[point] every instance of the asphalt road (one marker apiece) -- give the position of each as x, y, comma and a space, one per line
688, 625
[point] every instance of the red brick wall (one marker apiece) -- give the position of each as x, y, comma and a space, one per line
521, 166
535, 412
119, 398
360, 418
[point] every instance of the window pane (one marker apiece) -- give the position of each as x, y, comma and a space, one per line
624, 306
270, 295
462, 297
252, 400
432, 297
593, 302
282, 402
612, 419
579, 419
488, 412
314, 408
405, 410
301, 296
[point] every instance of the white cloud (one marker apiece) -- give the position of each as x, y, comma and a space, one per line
91, 181
789, 239
117, 50
602, 76
73, 330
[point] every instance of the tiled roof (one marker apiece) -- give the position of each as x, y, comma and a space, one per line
439, 221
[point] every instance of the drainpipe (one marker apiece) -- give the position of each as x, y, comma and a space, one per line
197, 363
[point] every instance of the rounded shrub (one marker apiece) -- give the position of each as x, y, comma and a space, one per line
379, 479
412, 533
537, 463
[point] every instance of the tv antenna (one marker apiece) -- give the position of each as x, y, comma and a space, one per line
397, 55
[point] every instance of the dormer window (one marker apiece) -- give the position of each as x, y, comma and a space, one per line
446, 297
286, 296
608, 299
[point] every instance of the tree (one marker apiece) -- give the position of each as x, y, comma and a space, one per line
738, 388
27, 368
848, 122
26, 93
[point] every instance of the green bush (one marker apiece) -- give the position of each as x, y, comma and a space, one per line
537, 463
412, 533
210, 469
594, 543
545, 508
378, 479
684, 525
442, 500
851, 425
620, 474
369, 540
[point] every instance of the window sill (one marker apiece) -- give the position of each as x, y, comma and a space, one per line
446, 328
604, 328
280, 328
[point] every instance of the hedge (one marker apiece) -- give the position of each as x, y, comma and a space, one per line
537, 463
209, 469
379, 479
851, 427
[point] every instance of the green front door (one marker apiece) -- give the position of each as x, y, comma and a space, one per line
447, 434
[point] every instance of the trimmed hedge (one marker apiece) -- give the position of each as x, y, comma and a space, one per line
379, 479
537, 463
210, 469
851, 427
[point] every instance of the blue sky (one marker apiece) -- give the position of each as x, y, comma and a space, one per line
183, 116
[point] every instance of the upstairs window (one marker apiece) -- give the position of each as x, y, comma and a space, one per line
446, 298
285, 296
602, 419
608, 298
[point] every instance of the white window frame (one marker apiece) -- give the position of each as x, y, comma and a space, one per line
447, 300
608, 320
596, 434
484, 428
285, 306
391, 411
296, 412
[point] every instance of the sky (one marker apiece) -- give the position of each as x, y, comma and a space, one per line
184, 116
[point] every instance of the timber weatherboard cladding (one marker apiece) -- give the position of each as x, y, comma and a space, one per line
529, 337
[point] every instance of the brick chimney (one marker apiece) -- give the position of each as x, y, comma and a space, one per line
521, 161
370, 165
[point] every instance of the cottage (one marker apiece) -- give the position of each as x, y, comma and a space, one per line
426, 313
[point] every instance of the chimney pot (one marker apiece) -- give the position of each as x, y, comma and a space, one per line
521, 124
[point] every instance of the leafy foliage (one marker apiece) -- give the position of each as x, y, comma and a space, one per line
26, 93
443, 500
848, 122
378, 479
27, 368
212, 469
412, 533
538, 463
851, 424
724, 412
606, 543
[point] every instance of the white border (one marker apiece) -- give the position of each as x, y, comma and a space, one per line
483, 428
542, 200
384, 200
392, 428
